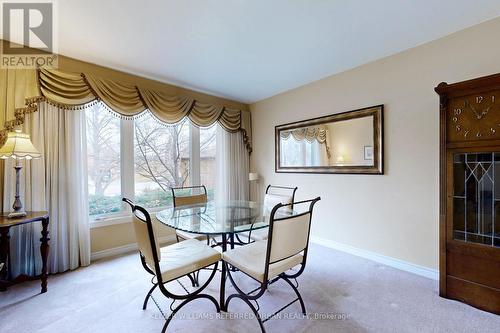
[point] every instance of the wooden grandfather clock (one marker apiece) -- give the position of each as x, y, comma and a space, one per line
470, 192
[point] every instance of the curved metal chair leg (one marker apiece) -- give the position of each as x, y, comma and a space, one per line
239, 239
197, 278
145, 304
171, 316
194, 281
302, 305
254, 310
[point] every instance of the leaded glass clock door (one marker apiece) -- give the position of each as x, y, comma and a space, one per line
476, 198
469, 188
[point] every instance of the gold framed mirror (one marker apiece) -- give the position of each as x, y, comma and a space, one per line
349, 143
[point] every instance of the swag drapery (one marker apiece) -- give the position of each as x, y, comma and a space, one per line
20, 90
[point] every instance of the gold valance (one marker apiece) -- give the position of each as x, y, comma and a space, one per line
64, 88
73, 91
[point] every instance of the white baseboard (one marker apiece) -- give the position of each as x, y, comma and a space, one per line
389, 261
386, 260
126, 248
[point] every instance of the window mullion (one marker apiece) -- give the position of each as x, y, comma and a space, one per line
127, 157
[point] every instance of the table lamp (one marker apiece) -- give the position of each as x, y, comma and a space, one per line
19, 147
253, 176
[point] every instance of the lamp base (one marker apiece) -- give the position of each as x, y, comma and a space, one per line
14, 215
18, 205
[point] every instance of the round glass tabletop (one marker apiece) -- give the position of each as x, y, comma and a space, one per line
215, 217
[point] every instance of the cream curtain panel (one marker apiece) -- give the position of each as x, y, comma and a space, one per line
22, 89
233, 164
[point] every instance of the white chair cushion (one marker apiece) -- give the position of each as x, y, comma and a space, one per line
185, 257
271, 200
189, 235
290, 236
143, 240
259, 234
251, 259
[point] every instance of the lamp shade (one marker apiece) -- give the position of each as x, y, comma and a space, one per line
252, 176
19, 146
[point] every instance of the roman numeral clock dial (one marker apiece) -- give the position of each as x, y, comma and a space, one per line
474, 117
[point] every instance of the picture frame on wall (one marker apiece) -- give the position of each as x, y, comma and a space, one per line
368, 153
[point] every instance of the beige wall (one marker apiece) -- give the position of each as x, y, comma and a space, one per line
112, 236
395, 214
348, 139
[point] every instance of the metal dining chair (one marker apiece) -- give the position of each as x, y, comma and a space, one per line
171, 262
274, 195
180, 199
267, 261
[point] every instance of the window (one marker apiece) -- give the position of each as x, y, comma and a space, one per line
161, 155
143, 158
103, 161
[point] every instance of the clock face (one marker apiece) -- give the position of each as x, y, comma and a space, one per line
474, 117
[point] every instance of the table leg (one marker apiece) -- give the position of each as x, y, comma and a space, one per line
231, 238
222, 297
44, 250
4, 255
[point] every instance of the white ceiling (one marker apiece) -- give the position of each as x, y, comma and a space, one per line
248, 50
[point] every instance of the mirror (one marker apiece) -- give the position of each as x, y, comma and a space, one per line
349, 142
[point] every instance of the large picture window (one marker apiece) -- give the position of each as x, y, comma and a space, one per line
143, 159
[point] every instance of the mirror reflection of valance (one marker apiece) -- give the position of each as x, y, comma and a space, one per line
307, 133
76, 90
318, 133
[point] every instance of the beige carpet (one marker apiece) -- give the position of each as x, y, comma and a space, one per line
350, 293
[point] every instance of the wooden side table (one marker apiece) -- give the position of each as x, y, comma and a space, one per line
5, 225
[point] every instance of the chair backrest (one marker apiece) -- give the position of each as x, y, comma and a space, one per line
271, 200
145, 234
181, 199
278, 194
289, 235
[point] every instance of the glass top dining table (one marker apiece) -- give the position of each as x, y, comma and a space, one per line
215, 218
